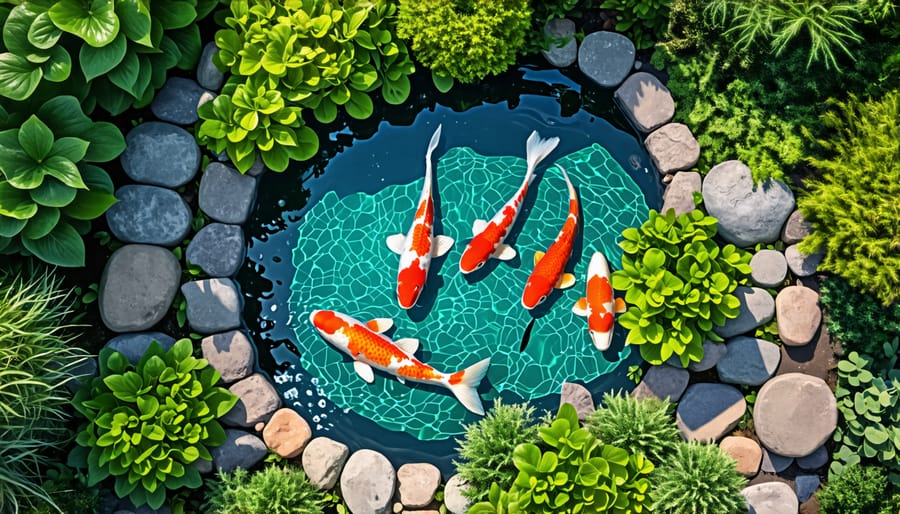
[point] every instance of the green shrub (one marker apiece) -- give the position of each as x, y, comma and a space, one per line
272, 490
678, 284
148, 423
37, 359
48, 189
638, 426
486, 450
700, 479
853, 204
467, 40
643, 21
858, 320
688, 28
857, 490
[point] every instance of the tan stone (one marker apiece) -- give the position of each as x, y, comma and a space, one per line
746, 453
418, 484
287, 433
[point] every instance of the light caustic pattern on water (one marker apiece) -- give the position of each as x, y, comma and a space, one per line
342, 263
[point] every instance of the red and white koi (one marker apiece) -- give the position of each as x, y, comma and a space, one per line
598, 305
370, 348
549, 267
419, 245
487, 240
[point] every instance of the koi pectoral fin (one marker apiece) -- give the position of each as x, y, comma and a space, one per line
620, 306
364, 371
408, 344
538, 256
478, 227
395, 243
505, 252
580, 308
442, 245
380, 325
566, 281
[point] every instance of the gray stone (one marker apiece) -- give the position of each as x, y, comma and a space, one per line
771, 498
178, 100
748, 213
257, 401
137, 287
814, 460
645, 101
794, 414
798, 313
563, 47
208, 75
757, 308
323, 459
134, 346
229, 353
606, 57
579, 397
218, 249
802, 265
746, 454
213, 305
240, 450
662, 382
454, 500
149, 214
258, 167
679, 194
367, 483
672, 148
768, 268
749, 361
203, 466
417, 484
287, 433
712, 354
707, 411
160, 154
806, 486
795, 229
774, 463
225, 194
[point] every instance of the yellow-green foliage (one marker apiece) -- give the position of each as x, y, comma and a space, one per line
272, 490
853, 205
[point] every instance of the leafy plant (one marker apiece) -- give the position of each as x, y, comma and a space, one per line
537, 40
639, 426
858, 320
701, 479
148, 423
486, 450
466, 40
856, 490
271, 490
69, 491
678, 284
643, 21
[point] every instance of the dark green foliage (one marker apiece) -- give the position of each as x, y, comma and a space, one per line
638, 426
853, 205
69, 491
643, 21
544, 11
271, 490
688, 28
857, 490
466, 40
858, 320
700, 479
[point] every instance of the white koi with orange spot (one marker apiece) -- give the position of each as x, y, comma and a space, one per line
599, 305
369, 348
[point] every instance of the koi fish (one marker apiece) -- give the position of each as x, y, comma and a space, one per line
369, 347
548, 267
487, 240
419, 245
599, 306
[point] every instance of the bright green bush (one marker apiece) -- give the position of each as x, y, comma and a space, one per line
678, 285
467, 40
48, 188
857, 490
486, 450
643, 21
853, 204
637, 426
272, 490
147, 424
858, 320
700, 479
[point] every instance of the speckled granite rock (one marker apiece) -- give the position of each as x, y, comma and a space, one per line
137, 287
226, 195
149, 214
213, 305
606, 57
160, 154
218, 249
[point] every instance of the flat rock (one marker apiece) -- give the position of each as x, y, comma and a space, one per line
606, 57
323, 460
226, 195
367, 483
712, 354
707, 411
454, 500
559, 54
800, 264
286, 433
814, 460
757, 308
149, 214
768, 268
795, 229
257, 402
771, 498
673, 147
137, 287
774, 463
679, 194
213, 305
417, 484
218, 249
749, 361
579, 397
134, 346
178, 100
794, 414
748, 213
663, 382
646, 102
160, 154
798, 313
208, 75
745, 452
240, 450
230, 353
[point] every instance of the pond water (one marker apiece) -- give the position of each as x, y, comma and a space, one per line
317, 241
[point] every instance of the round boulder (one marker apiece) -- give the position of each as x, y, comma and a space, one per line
745, 452
768, 268
417, 484
794, 414
707, 411
149, 214
606, 57
160, 154
213, 305
771, 498
368, 482
757, 308
323, 460
749, 361
137, 287
454, 500
286, 433
225, 195
798, 313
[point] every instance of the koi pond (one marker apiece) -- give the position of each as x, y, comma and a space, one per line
317, 241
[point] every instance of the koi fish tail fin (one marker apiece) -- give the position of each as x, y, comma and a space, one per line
435, 139
463, 385
536, 149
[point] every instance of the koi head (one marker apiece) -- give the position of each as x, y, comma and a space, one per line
601, 340
326, 322
410, 283
475, 255
536, 291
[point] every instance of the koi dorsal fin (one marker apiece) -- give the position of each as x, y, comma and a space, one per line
478, 227
364, 371
620, 306
395, 243
505, 252
566, 281
580, 308
380, 325
537, 257
408, 344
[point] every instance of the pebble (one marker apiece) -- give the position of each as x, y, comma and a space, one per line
257, 402
286, 433
645, 101
799, 315
708, 411
218, 249
417, 484
323, 460
768, 268
749, 361
802, 265
757, 308
663, 382
771, 498
240, 450
178, 100
606, 57
160, 154
149, 214
679, 194
367, 483
230, 353
213, 305
137, 287
673, 148
226, 195
579, 397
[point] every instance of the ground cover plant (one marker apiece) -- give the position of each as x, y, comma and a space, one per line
272, 490
643, 21
857, 490
701, 479
858, 320
637, 426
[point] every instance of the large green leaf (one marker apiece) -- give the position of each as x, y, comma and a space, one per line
71, 148
94, 21
52, 193
64, 116
126, 73
59, 66
106, 142
359, 106
63, 169
62, 247
43, 33
15, 30
99, 61
190, 44
145, 72
89, 205
10, 227
21, 171
15, 203
35, 138
110, 97
41, 223
135, 18
18, 77
175, 14
96, 178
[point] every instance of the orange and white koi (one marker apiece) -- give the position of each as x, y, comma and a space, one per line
598, 305
419, 245
549, 267
487, 240
370, 348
